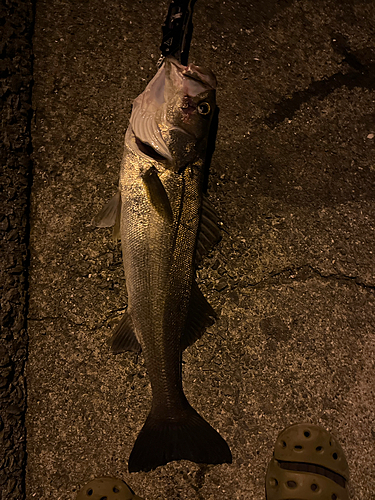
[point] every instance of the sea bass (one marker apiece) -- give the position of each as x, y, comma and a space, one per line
164, 223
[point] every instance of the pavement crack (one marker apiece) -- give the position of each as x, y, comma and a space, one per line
44, 318
57, 318
306, 272
343, 278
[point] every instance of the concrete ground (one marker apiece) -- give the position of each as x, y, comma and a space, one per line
292, 280
16, 21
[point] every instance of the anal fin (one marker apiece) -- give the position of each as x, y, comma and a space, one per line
123, 337
200, 316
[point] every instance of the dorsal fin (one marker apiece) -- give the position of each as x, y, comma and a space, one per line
209, 233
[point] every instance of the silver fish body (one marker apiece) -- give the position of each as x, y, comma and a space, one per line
160, 188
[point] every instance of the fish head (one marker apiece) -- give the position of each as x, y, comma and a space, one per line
173, 114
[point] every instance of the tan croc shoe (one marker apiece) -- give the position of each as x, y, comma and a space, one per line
308, 464
107, 488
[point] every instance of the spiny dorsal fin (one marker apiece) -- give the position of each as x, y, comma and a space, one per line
200, 316
123, 337
209, 233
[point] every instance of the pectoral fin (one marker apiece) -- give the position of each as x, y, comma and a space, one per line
110, 215
123, 337
200, 316
157, 194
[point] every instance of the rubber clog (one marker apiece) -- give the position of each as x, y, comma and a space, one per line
107, 488
308, 464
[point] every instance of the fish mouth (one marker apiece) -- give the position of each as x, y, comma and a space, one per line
146, 127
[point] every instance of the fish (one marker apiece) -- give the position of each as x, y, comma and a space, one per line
166, 224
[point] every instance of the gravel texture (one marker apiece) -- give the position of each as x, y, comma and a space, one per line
292, 280
16, 19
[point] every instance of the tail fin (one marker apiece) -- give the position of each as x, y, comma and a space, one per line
188, 437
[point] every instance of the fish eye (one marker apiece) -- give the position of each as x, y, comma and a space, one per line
204, 108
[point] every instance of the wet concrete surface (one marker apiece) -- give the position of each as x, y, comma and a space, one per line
292, 280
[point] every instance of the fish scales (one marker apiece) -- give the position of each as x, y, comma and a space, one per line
158, 261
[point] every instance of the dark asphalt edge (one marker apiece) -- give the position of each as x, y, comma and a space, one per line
16, 64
